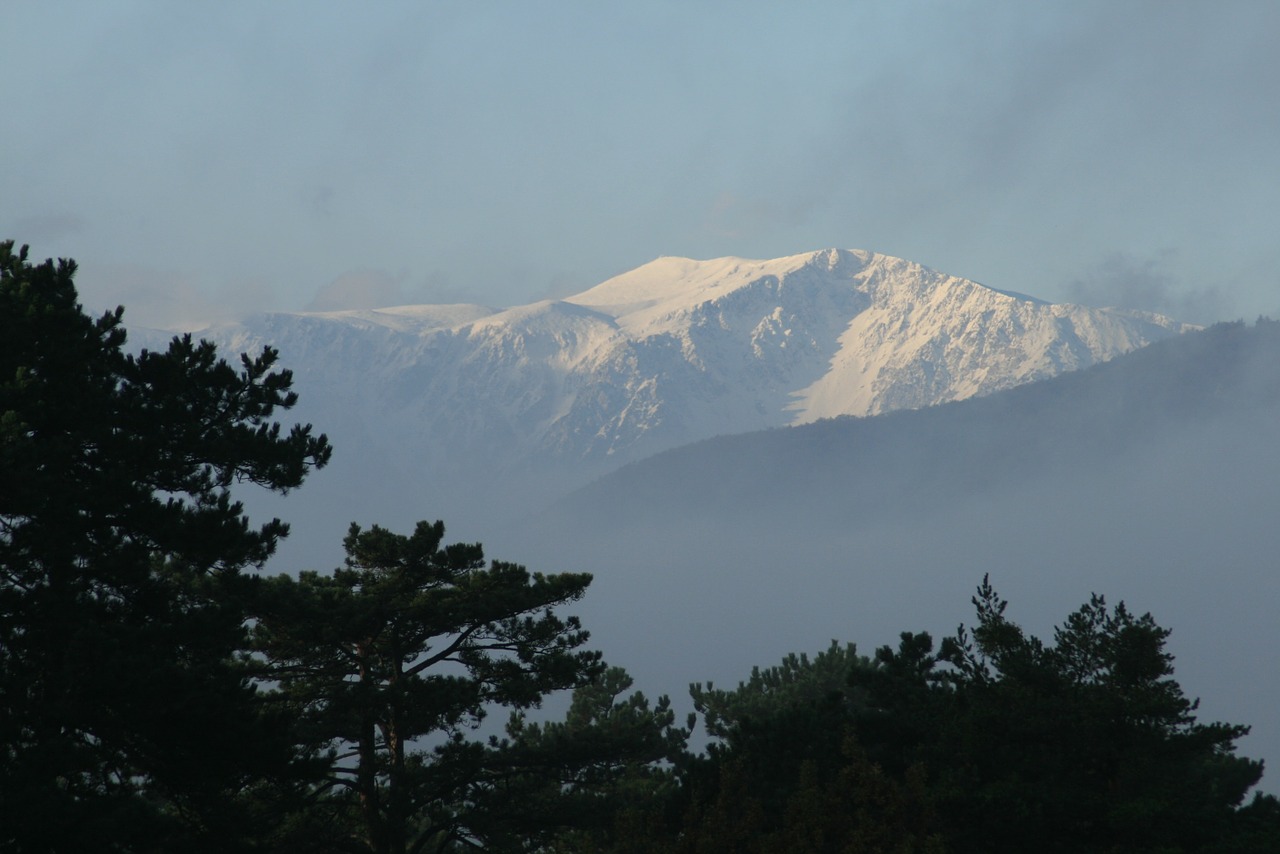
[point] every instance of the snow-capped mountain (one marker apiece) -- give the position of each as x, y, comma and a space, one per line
1153, 479
675, 351
478, 416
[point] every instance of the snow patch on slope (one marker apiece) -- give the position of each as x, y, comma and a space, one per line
675, 351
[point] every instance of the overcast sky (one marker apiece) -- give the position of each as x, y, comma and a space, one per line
205, 159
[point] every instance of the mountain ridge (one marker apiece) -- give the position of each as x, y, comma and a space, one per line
1152, 478
542, 398
1064, 425
654, 352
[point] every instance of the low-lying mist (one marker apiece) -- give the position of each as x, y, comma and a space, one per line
1153, 479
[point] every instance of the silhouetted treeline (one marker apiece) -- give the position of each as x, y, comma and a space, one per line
158, 694
992, 741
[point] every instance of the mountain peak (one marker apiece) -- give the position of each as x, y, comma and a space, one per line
836, 259
676, 351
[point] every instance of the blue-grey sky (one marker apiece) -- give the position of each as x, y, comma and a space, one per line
205, 159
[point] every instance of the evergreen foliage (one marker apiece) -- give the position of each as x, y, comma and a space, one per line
994, 742
156, 695
584, 784
413, 640
1088, 744
125, 721
787, 771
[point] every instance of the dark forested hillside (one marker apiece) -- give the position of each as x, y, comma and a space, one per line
919, 461
1154, 477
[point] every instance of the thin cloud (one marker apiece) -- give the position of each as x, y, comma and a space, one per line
356, 289
158, 299
1123, 281
47, 228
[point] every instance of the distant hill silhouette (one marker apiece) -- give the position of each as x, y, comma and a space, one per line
842, 469
1152, 479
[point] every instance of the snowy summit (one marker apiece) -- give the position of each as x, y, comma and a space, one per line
669, 353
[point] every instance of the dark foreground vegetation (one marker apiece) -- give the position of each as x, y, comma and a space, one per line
158, 694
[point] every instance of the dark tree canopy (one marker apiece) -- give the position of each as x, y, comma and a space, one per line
1089, 742
585, 784
124, 719
416, 640
133, 711
157, 695
413, 638
995, 742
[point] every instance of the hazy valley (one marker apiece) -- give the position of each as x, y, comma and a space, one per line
481, 416
913, 431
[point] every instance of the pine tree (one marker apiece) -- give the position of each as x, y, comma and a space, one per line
413, 640
1085, 744
125, 721
996, 741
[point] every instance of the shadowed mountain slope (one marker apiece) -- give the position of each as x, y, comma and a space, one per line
845, 470
1154, 479
476, 414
